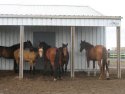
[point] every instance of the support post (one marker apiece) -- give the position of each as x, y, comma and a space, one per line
21, 52
72, 51
118, 52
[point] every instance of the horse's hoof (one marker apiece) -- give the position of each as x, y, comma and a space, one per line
55, 79
60, 78
100, 78
108, 78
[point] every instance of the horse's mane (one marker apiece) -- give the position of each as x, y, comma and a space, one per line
44, 45
16, 46
88, 45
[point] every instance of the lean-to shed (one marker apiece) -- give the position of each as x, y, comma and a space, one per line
55, 24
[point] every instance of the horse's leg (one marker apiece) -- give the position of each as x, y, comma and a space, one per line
59, 71
100, 67
15, 66
88, 67
30, 69
66, 66
62, 69
94, 68
46, 64
103, 69
33, 68
107, 71
18, 66
54, 71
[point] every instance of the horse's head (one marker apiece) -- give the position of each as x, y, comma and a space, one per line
28, 44
44, 45
82, 45
65, 49
40, 51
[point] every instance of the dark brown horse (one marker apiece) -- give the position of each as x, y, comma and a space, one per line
96, 53
64, 57
51, 54
8, 52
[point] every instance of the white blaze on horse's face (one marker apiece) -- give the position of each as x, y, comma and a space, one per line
40, 52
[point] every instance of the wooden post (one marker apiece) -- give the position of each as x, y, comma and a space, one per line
21, 52
118, 53
72, 50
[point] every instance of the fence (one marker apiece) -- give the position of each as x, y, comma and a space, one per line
112, 56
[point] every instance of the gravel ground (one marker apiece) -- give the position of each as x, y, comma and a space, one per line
81, 84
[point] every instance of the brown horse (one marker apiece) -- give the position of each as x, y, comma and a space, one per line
8, 51
51, 54
64, 57
96, 53
28, 56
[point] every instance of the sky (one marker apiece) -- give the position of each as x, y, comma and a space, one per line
106, 7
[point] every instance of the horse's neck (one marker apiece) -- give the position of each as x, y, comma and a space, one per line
47, 47
88, 47
14, 47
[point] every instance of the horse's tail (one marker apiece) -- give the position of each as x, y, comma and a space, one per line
105, 63
104, 55
57, 57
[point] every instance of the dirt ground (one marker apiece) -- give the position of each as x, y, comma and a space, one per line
81, 84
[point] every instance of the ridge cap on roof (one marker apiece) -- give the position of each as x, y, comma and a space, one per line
43, 5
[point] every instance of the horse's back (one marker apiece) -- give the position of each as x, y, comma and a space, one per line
26, 53
6, 52
99, 50
51, 53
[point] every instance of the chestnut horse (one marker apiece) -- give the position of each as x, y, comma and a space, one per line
29, 56
8, 52
64, 57
96, 53
51, 54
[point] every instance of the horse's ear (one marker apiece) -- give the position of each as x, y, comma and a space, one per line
62, 44
67, 44
81, 40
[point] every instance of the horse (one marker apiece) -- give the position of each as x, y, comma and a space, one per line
96, 53
8, 52
64, 57
51, 54
29, 56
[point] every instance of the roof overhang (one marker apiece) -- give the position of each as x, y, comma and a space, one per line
60, 17
60, 20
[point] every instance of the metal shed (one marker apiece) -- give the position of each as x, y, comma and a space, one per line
65, 24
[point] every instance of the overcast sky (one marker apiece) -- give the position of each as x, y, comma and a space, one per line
106, 7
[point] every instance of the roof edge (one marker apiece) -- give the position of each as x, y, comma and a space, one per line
60, 16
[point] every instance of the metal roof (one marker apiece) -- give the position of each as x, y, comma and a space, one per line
54, 15
48, 10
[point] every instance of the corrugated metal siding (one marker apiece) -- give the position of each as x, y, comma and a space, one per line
59, 22
8, 37
94, 35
